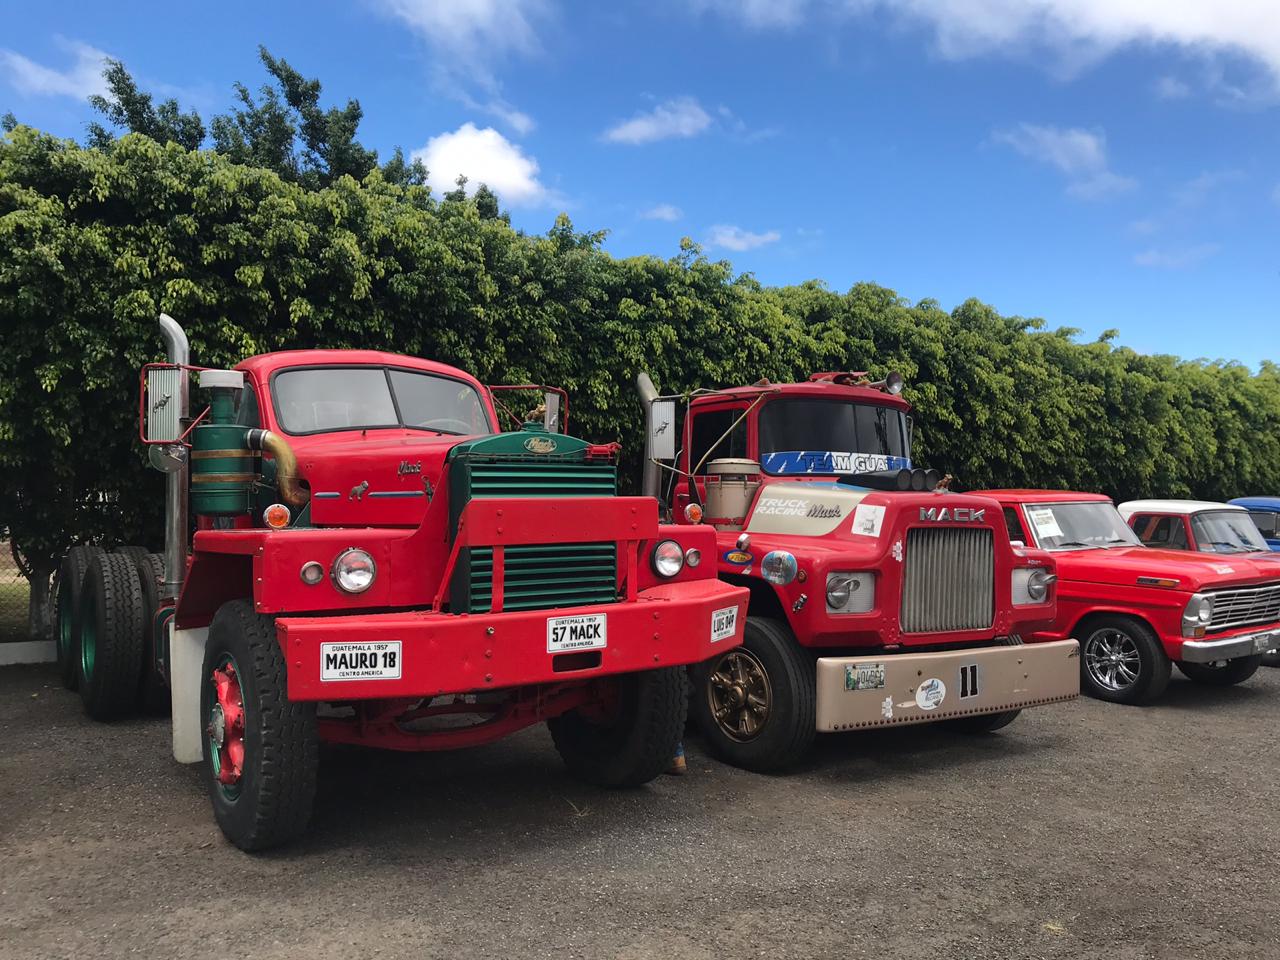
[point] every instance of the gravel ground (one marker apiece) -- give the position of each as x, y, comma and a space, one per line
1083, 830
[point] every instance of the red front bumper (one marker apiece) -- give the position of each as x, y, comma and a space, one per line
440, 653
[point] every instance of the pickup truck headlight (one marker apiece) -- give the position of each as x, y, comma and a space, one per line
354, 571
851, 592
1198, 615
1031, 585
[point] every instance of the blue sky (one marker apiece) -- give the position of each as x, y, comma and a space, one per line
1098, 163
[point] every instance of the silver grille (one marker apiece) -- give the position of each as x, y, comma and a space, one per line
1245, 606
948, 579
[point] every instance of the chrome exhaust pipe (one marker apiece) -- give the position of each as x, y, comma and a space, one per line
177, 351
651, 481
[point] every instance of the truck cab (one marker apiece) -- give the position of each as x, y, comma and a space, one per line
357, 552
1265, 512
1140, 610
878, 596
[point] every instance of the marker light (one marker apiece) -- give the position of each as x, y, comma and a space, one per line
693, 513
668, 558
692, 557
311, 573
276, 516
354, 571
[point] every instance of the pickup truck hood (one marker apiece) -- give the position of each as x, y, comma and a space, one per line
1122, 566
381, 478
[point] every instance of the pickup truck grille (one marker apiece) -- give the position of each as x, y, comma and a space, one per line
1245, 607
948, 580
536, 576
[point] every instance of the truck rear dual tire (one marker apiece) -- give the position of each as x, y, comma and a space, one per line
636, 743
1122, 660
266, 796
757, 704
1226, 674
153, 691
110, 637
71, 576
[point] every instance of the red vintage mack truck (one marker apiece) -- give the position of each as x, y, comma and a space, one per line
878, 597
374, 562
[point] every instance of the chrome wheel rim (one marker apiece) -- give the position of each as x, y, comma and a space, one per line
1111, 656
739, 694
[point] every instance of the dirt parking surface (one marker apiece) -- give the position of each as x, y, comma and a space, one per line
1083, 830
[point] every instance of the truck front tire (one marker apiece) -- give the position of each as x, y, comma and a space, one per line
1225, 674
756, 704
1122, 660
110, 634
636, 741
261, 750
70, 585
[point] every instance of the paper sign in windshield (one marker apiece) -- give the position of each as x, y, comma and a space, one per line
868, 518
1044, 521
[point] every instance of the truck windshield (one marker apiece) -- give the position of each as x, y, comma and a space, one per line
1075, 526
325, 399
800, 435
1226, 531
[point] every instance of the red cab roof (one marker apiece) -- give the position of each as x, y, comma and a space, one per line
1041, 496
265, 364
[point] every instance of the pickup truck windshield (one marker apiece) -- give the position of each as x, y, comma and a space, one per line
326, 399
1226, 531
800, 435
1077, 526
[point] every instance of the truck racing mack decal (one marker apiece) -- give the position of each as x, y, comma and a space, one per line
783, 462
805, 509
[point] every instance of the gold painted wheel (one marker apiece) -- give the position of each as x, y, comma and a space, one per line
739, 695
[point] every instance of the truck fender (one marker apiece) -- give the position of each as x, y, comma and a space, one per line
186, 658
1078, 628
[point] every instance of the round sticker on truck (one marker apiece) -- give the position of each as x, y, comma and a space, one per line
930, 693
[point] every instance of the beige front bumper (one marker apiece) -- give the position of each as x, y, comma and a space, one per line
857, 693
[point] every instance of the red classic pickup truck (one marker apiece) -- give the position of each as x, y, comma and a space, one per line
1137, 610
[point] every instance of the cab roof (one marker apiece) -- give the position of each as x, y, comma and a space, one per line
1180, 507
1020, 495
265, 364
1257, 503
811, 389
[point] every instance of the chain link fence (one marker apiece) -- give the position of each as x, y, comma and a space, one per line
14, 596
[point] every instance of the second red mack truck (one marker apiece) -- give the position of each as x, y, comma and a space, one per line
375, 562
878, 597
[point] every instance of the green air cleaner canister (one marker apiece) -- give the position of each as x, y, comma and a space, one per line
223, 469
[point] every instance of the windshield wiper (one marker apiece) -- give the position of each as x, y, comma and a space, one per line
1074, 543
1232, 547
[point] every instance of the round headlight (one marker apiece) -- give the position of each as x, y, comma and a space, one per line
1038, 584
354, 571
692, 557
779, 567
668, 558
839, 588
311, 573
1205, 613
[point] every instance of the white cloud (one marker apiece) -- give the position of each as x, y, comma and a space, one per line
80, 80
482, 156
1171, 88
472, 29
1080, 155
735, 238
1078, 32
1180, 259
1194, 192
663, 211
681, 117
466, 37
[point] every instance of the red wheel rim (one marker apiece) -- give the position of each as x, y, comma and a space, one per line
225, 727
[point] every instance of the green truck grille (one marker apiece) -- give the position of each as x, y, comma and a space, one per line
536, 576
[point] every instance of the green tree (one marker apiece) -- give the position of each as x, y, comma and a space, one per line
129, 109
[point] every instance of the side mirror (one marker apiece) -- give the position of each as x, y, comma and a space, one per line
551, 412
662, 430
1016, 543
